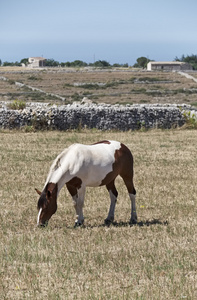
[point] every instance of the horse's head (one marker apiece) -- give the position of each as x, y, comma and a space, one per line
47, 204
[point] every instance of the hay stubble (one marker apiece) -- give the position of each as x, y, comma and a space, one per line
155, 259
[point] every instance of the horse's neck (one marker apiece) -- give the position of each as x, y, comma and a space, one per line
59, 172
62, 181
60, 177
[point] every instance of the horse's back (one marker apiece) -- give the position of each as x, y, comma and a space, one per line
96, 161
91, 163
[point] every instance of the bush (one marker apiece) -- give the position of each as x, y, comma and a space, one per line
190, 120
34, 78
102, 64
17, 104
39, 123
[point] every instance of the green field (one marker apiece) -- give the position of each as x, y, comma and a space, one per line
155, 259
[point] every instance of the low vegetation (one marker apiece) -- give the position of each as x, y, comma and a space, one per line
104, 86
17, 105
155, 259
191, 120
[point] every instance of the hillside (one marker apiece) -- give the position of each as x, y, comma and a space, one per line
109, 86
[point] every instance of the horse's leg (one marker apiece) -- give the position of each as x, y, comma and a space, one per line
113, 196
132, 196
128, 180
78, 200
79, 206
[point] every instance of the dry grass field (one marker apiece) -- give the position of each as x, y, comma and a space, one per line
109, 86
155, 259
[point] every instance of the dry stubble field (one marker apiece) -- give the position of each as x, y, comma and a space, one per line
108, 85
155, 259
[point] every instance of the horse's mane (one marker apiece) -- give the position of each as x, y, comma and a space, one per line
42, 200
55, 165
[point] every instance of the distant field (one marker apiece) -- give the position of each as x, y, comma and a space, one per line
109, 86
156, 259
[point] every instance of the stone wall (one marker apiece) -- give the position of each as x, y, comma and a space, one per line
88, 115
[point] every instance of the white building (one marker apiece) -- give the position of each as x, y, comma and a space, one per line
168, 66
36, 62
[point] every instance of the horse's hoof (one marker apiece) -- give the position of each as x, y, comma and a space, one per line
133, 222
77, 225
108, 222
43, 225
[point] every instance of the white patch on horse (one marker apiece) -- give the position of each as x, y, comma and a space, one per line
90, 162
38, 219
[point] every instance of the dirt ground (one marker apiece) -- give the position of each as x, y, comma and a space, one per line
113, 86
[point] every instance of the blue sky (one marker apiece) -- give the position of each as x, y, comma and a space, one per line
112, 30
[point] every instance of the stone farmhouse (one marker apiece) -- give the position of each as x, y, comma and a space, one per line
168, 66
36, 62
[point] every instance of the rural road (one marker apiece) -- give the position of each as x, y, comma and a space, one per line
188, 76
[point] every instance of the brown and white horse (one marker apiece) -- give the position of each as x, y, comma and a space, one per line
94, 165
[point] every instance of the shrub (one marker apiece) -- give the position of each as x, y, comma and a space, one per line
90, 86
17, 104
11, 81
39, 123
76, 97
34, 78
190, 120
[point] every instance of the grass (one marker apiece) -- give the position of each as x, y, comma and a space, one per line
17, 104
155, 259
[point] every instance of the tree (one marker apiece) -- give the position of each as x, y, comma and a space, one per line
125, 65
142, 62
24, 61
102, 64
67, 64
78, 63
191, 59
116, 65
52, 63
0, 62
7, 63
11, 64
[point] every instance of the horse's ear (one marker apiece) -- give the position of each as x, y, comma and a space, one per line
51, 190
49, 193
39, 193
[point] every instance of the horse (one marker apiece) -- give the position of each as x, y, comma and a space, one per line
80, 166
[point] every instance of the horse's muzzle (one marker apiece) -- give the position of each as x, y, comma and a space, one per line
43, 224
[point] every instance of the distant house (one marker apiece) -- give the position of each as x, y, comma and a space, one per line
168, 66
36, 62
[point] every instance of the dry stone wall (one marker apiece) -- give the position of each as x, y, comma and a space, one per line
88, 115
